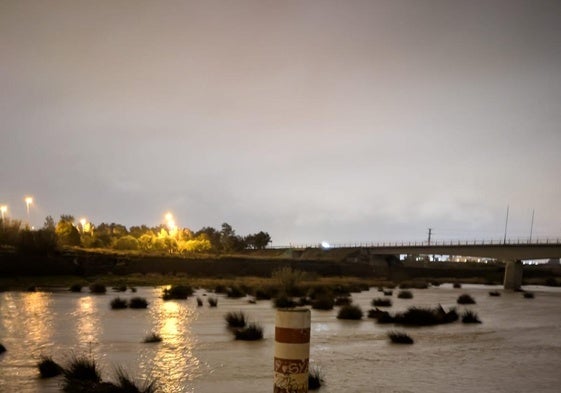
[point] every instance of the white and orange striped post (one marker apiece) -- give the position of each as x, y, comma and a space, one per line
292, 350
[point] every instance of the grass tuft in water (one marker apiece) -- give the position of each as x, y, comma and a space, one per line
494, 293
381, 302
400, 337
48, 368
125, 384
76, 288
323, 303
81, 375
350, 312
284, 301
405, 294
2, 348
199, 302
98, 288
179, 292
252, 332
138, 302
212, 301
236, 319
528, 295
315, 378
119, 303
152, 338
470, 317
465, 299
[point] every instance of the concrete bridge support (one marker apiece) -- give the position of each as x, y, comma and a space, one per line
513, 275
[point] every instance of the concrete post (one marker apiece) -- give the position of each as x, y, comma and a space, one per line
513, 275
292, 350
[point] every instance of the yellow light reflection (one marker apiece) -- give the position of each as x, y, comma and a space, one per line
39, 320
172, 360
88, 328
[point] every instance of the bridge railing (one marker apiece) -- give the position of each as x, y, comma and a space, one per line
463, 242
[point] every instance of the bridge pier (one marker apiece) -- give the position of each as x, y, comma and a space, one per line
513, 275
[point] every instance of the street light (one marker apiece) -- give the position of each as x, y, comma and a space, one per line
28, 201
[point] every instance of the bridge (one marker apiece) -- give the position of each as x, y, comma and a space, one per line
511, 251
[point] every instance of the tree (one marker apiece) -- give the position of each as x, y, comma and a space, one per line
229, 240
258, 240
49, 224
126, 242
212, 235
66, 232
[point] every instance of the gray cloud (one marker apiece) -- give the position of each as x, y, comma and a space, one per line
344, 121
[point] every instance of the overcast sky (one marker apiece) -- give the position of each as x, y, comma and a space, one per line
311, 120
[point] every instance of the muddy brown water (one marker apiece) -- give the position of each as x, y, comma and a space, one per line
517, 348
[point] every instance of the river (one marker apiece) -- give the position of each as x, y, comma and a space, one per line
517, 348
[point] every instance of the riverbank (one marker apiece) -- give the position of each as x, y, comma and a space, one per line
19, 271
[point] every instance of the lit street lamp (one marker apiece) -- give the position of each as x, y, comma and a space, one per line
28, 201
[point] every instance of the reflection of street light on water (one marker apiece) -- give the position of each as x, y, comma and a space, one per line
4, 210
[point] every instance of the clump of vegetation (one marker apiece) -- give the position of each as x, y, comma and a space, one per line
400, 337
315, 378
416, 284
528, 295
48, 368
381, 302
153, 338
98, 288
76, 288
465, 299
236, 319
419, 316
323, 303
2, 348
252, 332
199, 302
288, 280
138, 302
284, 301
120, 288
456, 285
388, 292
220, 288
126, 384
343, 300
470, 317
235, 292
177, 292
133, 289
212, 301
264, 293
81, 375
494, 293
118, 303
405, 294
350, 311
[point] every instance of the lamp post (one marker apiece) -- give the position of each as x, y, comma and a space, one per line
28, 201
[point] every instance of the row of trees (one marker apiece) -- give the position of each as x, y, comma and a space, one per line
171, 240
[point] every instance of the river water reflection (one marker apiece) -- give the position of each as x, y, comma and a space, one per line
516, 349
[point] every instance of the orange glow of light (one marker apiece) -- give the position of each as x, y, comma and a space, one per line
170, 223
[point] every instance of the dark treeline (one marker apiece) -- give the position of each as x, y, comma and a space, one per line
159, 239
